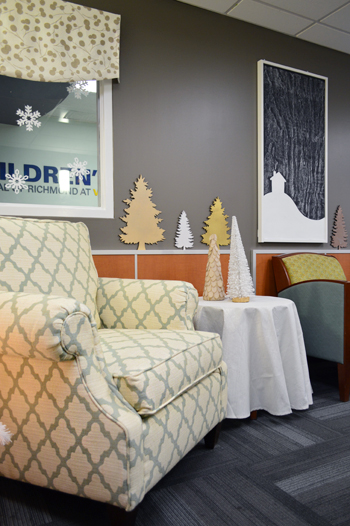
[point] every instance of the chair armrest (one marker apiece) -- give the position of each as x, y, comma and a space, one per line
38, 327
280, 273
43, 326
146, 304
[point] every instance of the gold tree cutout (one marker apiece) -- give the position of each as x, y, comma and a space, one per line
216, 224
339, 237
141, 217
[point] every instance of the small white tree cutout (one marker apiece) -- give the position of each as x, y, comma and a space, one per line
184, 235
239, 283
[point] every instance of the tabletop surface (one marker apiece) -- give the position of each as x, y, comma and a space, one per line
254, 301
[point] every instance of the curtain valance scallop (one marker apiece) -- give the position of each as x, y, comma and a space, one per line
53, 40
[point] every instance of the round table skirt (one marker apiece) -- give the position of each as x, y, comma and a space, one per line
264, 349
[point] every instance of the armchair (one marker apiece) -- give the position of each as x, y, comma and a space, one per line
104, 383
317, 285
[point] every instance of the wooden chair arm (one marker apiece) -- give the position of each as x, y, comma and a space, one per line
280, 273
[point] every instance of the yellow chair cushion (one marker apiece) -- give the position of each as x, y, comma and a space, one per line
303, 267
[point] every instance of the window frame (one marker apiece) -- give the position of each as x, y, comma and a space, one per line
106, 206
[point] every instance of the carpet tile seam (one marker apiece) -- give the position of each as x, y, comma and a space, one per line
289, 501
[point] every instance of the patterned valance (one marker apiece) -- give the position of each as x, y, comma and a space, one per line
52, 40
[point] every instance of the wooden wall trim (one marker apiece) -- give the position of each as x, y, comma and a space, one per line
190, 266
115, 266
184, 266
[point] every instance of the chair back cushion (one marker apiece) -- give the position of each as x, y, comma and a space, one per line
304, 267
146, 304
48, 257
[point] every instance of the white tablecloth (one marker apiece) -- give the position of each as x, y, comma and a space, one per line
264, 349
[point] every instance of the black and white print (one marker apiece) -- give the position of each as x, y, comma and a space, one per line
292, 155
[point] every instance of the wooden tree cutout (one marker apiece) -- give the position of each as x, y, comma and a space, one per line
141, 217
184, 235
216, 224
339, 237
214, 284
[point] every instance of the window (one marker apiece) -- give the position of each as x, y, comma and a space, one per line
56, 148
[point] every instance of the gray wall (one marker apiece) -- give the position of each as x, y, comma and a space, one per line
185, 116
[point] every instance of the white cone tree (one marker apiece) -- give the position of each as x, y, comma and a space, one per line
184, 235
239, 283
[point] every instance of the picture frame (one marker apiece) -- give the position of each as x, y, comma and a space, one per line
292, 155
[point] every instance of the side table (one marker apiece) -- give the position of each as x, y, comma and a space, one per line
264, 349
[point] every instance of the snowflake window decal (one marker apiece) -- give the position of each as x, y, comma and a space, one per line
28, 118
79, 88
16, 182
78, 168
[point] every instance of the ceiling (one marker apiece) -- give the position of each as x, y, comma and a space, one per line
323, 22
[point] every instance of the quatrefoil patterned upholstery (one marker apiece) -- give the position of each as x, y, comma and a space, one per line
153, 367
304, 267
103, 413
50, 257
126, 303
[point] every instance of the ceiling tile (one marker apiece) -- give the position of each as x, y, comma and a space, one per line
219, 6
314, 9
327, 36
340, 19
269, 17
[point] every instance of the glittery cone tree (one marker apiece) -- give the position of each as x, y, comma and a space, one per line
214, 284
239, 282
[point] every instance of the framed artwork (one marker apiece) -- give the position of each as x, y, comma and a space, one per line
56, 148
292, 155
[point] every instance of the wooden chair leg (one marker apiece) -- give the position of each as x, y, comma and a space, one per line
344, 381
119, 517
212, 437
253, 415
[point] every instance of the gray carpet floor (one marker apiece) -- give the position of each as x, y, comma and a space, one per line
285, 471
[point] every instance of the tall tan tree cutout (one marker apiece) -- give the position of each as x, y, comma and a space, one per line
214, 284
141, 217
216, 224
339, 237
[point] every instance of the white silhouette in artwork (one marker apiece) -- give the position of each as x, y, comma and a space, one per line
281, 219
278, 182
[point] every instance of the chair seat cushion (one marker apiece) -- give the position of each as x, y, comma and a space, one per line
153, 367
